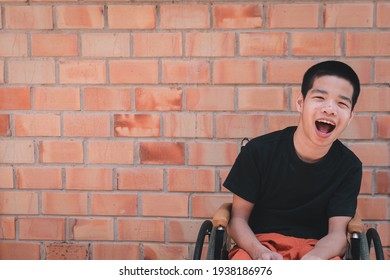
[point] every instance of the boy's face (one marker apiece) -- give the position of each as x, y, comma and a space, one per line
326, 110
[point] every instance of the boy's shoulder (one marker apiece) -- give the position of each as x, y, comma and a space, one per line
274, 137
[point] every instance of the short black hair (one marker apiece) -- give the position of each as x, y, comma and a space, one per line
331, 68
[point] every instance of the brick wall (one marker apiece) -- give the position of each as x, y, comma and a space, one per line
120, 119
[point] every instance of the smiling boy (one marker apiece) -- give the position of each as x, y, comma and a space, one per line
295, 190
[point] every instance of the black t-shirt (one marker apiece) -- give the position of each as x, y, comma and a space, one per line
290, 196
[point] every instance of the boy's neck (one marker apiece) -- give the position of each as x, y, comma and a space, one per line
306, 150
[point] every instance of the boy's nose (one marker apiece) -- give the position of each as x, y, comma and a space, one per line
329, 109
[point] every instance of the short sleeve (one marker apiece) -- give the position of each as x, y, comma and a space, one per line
244, 176
344, 201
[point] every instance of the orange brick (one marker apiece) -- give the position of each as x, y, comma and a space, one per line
141, 230
375, 44
16, 151
262, 99
188, 125
1, 72
366, 185
80, 16
132, 16
19, 251
107, 99
347, 15
291, 15
31, 72
142, 179
157, 44
362, 68
18, 203
7, 180
374, 99
210, 99
373, 208
383, 10
277, 122
105, 44
316, 43
91, 229
372, 154
165, 252
66, 251
383, 127
28, 17
359, 128
13, 45
239, 126
38, 178
263, 44
7, 228
54, 45
41, 228
383, 182
184, 17
134, 72
111, 152
60, 203
238, 16
212, 153
384, 233
114, 204
237, 72
56, 99
162, 153
382, 70
183, 231
139, 125
77, 125
15, 99
191, 180
37, 125
89, 178
204, 206
82, 72
165, 205
60, 152
115, 251
187, 72
211, 44
158, 99
286, 71
5, 125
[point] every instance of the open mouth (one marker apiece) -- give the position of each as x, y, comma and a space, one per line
325, 126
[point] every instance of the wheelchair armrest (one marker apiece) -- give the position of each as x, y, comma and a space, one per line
355, 225
222, 215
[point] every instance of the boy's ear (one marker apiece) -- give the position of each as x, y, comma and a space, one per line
299, 102
351, 117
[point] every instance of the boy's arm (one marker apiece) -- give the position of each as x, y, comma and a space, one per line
334, 243
242, 234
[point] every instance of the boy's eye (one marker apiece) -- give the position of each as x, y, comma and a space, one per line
342, 104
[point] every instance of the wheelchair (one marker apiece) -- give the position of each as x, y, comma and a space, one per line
219, 243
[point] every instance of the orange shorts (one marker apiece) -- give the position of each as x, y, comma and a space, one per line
291, 248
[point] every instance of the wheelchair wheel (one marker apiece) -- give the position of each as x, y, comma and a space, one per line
373, 236
205, 230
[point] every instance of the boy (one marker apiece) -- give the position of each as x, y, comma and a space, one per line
295, 190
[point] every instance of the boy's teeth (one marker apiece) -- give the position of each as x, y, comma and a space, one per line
324, 121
